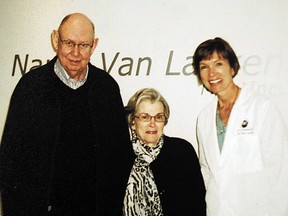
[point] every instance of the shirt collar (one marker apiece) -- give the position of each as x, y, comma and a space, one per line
66, 79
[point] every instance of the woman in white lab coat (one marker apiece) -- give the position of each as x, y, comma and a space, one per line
243, 147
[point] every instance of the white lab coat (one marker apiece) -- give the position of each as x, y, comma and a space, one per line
250, 176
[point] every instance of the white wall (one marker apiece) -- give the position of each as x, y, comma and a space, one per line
257, 30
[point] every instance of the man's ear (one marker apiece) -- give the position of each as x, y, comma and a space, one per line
55, 40
95, 43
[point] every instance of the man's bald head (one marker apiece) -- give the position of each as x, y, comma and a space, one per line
79, 18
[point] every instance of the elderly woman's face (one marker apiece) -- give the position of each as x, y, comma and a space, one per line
149, 132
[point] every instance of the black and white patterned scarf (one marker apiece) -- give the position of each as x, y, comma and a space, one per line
142, 198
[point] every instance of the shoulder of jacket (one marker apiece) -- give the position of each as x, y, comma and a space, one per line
176, 141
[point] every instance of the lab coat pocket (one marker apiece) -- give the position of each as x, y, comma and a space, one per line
247, 154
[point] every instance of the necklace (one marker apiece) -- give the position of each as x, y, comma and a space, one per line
221, 128
220, 125
224, 109
222, 104
237, 94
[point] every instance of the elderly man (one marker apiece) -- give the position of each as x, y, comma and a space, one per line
65, 147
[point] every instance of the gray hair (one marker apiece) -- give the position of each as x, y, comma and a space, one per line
144, 94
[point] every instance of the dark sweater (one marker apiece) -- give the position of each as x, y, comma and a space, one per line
74, 181
179, 180
35, 141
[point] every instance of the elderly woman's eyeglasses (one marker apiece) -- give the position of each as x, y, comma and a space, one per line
145, 117
71, 44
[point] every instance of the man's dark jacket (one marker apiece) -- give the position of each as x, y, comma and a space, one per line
30, 138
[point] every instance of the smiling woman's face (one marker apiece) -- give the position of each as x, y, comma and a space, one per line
149, 132
216, 73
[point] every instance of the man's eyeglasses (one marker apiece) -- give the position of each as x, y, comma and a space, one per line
144, 117
71, 44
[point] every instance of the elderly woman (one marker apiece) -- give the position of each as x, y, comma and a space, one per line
165, 178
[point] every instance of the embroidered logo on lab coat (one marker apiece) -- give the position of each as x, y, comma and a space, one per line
244, 124
244, 129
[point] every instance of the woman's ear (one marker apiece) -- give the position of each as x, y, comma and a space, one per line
133, 125
233, 72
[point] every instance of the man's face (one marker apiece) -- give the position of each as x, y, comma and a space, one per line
75, 43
